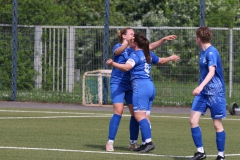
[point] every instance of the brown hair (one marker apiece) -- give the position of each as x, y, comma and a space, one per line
205, 34
143, 43
121, 32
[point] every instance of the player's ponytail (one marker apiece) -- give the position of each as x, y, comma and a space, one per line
143, 43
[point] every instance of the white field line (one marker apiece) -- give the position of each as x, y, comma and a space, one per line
51, 117
48, 112
92, 115
83, 115
228, 119
99, 152
89, 115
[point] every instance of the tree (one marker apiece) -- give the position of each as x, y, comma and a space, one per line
222, 13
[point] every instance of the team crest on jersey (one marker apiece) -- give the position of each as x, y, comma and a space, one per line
210, 53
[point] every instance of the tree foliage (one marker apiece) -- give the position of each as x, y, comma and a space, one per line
89, 47
122, 13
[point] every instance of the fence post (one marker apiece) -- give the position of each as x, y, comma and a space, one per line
148, 33
202, 12
70, 59
106, 50
230, 61
38, 57
14, 48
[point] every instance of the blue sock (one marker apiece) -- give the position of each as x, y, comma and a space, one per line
197, 136
113, 126
145, 129
133, 128
220, 140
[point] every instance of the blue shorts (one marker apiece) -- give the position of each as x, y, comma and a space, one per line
119, 93
143, 94
216, 104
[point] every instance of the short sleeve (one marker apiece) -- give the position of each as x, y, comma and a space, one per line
134, 57
212, 58
116, 47
155, 58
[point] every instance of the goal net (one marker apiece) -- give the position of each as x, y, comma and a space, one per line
96, 87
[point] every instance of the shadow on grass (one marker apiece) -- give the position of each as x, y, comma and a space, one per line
102, 147
120, 148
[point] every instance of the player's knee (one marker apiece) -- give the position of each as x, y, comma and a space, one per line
118, 113
218, 127
193, 122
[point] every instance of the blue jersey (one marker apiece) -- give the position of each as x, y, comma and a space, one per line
118, 76
140, 76
211, 57
142, 69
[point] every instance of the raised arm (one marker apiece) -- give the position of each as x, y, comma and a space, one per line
120, 49
158, 43
165, 60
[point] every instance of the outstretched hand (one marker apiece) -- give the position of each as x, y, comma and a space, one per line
174, 57
170, 37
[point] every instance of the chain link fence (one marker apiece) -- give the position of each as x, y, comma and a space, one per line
58, 42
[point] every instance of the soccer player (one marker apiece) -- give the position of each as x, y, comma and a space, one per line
139, 65
121, 88
210, 93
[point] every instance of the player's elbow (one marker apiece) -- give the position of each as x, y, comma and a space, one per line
126, 69
162, 62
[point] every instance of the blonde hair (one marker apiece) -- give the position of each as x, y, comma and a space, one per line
121, 32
